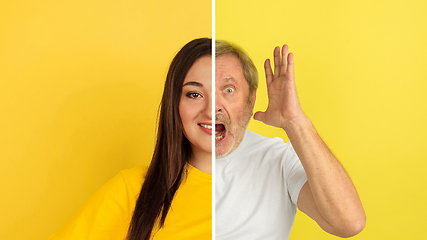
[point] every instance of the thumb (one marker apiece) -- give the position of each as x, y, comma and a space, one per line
259, 116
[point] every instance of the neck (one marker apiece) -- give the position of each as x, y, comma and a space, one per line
201, 160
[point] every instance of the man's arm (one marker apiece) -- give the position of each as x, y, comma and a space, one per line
329, 197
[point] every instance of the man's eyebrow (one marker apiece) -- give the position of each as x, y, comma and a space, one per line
229, 79
197, 84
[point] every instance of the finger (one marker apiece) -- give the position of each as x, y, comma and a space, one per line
268, 71
276, 62
290, 68
284, 65
259, 116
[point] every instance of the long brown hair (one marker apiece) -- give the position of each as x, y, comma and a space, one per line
172, 148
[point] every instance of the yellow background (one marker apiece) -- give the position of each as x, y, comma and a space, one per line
80, 84
361, 78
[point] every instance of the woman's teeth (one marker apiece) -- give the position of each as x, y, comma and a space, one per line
206, 126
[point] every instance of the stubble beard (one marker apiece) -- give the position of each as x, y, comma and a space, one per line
235, 131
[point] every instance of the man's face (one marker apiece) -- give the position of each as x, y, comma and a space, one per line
232, 108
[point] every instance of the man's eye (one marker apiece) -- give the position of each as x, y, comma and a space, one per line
193, 95
229, 90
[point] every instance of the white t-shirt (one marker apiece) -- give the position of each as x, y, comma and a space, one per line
257, 188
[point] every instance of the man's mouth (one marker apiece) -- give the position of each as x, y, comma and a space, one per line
219, 131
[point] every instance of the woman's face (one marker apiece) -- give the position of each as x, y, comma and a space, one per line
195, 107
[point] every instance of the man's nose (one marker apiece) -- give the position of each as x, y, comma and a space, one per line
218, 103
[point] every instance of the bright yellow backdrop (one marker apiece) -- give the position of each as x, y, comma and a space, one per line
80, 84
362, 80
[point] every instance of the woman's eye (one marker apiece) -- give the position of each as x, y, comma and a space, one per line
193, 95
229, 90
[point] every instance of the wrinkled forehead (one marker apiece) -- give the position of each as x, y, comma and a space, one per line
228, 69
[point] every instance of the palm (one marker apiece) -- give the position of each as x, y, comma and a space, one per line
283, 103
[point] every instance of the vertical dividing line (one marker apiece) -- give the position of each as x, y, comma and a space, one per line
213, 119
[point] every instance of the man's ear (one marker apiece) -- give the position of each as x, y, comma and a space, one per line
254, 97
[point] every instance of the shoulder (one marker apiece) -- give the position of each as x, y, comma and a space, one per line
262, 151
106, 215
134, 173
132, 178
255, 143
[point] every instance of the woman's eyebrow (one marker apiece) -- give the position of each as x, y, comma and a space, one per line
197, 84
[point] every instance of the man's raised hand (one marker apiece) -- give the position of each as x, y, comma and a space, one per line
283, 104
